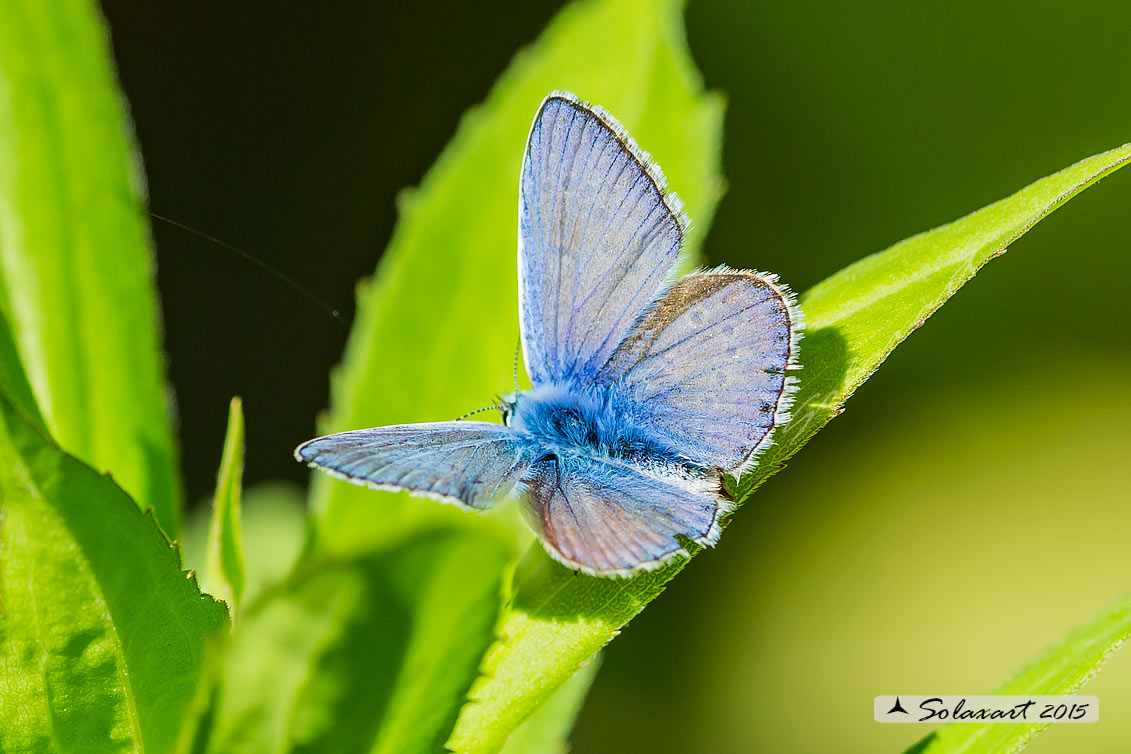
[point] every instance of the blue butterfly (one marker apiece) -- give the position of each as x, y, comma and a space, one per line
647, 390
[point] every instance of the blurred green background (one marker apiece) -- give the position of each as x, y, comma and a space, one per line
971, 506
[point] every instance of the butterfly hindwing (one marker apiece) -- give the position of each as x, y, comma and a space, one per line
468, 462
598, 234
706, 365
605, 517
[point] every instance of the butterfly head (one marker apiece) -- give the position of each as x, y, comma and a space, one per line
507, 405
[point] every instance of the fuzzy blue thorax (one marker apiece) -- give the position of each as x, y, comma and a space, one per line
591, 419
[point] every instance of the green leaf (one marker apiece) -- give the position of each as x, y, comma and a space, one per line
436, 330
372, 653
76, 273
1064, 669
855, 319
272, 529
101, 634
224, 570
13, 378
546, 731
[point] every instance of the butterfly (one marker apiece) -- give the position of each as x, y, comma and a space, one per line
647, 390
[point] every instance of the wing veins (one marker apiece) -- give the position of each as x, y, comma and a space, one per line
651, 355
625, 270
585, 265
625, 310
563, 178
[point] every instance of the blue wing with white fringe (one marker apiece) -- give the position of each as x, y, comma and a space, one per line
707, 365
598, 235
468, 462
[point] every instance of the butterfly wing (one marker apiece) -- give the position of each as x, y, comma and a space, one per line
598, 234
466, 462
606, 518
706, 365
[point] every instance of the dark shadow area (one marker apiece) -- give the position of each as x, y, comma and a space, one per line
287, 131
14, 387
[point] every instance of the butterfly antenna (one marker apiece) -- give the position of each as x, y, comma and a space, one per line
497, 407
517, 346
278, 274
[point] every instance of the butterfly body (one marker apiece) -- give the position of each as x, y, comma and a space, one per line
646, 390
591, 421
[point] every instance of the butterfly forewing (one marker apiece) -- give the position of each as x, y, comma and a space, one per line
470, 462
706, 365
597, 236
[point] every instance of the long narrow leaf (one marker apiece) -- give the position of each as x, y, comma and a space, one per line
224, 571
76, 272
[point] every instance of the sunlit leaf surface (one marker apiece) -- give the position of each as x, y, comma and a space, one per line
76, 272
101, 634
225, 572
